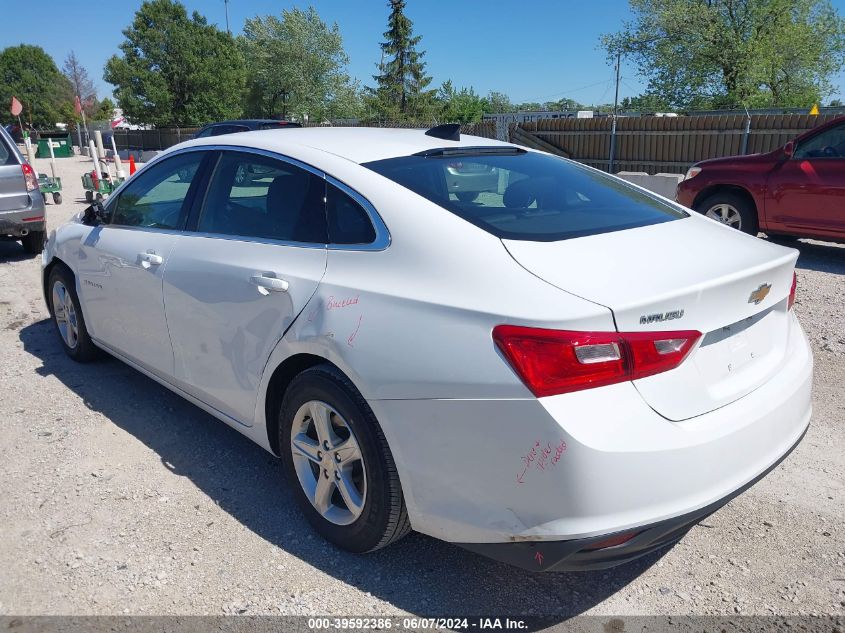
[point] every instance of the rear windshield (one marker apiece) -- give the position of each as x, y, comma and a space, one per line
527, 196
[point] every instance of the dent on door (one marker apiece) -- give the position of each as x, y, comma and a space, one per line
228, 304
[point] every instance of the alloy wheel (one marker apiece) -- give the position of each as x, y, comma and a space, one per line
65, 315
726, 214
328, 462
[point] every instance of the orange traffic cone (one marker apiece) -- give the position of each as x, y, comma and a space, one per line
131, 164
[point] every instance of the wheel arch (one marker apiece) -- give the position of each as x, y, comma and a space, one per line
54, 262
727, 188
278, 384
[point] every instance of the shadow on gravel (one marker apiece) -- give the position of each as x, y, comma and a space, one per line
11, 251
825, 257
419, 574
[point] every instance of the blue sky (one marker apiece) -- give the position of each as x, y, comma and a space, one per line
537, 51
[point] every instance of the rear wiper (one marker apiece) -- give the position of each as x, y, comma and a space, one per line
443, 152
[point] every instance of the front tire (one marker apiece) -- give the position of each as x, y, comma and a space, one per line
731, 210
67, 316
337, 459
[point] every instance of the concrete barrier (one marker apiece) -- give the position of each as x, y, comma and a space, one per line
661, 184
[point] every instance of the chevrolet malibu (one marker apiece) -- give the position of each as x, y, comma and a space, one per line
554, 372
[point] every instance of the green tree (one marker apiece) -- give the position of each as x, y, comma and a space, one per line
460, 106
715, 53
497, 103
297, 68
529, 106
176, 69
30, 74
105, 110
402, 84
563, 104
645, 103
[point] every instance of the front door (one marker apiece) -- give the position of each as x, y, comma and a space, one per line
121, 263
806, 193
234, 286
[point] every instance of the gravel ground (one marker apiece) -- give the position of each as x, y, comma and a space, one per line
116, 496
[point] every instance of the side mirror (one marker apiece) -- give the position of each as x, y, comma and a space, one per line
94, 215
789, 149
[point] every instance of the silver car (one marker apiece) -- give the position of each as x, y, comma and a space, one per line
21, 203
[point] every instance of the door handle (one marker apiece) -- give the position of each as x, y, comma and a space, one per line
150, 259
268, 284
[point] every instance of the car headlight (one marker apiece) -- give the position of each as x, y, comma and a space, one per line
692, 172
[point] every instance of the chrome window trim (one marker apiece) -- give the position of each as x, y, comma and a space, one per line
381, 242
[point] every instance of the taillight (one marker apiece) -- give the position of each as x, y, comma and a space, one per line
29, 177
551, 362
792, 292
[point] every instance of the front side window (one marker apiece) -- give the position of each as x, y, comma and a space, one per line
827, 144
526, 195
156, 197
256, 196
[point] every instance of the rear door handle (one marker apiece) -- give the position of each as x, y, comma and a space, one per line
150, 259
267, 284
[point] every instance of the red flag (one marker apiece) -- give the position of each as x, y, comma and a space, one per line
15, 108
77, 105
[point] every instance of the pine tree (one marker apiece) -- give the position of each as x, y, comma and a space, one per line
402, 83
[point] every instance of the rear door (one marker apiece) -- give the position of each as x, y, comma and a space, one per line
234, 285
806, 193
121, 264
13, 194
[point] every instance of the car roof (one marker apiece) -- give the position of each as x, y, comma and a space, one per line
357, 144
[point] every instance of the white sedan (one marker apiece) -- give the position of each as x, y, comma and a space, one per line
555, 372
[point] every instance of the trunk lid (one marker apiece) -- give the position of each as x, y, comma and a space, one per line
688, 274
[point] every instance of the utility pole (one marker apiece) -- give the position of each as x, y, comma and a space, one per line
615, 115
226, 3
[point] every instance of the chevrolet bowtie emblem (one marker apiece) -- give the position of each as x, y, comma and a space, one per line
761, 293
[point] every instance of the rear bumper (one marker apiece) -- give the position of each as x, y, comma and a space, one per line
582, 554
20, 222
585, 465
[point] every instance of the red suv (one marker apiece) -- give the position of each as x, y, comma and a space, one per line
796, 190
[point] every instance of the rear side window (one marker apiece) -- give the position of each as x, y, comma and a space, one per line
526, 195
348, 222
6, 157
257, 196
219, 130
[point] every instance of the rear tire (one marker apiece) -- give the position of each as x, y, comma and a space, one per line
730, 209
380, 516
89, 196
57, 198
33, 242
67, 316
